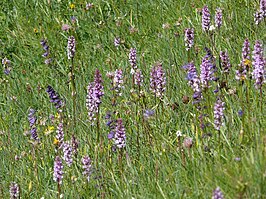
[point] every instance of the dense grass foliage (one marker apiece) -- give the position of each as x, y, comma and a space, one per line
156, 162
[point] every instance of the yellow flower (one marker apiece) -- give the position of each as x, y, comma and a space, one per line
49, 130
247, 62
73, 179
57, 116
242, 78
72, 6
35, 30
56, 141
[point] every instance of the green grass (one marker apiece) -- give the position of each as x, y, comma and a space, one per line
156, 168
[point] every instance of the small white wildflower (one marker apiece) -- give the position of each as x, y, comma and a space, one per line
179, 134
212, 27
132, 71
166, 26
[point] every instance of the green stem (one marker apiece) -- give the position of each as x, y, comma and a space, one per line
138, 128
74, 93
261, 99
98, 125
58, 190
120, 156
188, 55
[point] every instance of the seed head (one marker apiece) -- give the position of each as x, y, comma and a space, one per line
188, 142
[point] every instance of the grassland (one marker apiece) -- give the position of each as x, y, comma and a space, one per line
155, 163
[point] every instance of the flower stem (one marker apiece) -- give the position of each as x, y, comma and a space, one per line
58, 190
73, 88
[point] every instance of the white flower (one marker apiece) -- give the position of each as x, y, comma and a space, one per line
212, 27
179, 134
132, 71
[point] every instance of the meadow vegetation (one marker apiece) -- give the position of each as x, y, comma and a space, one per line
132, 99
